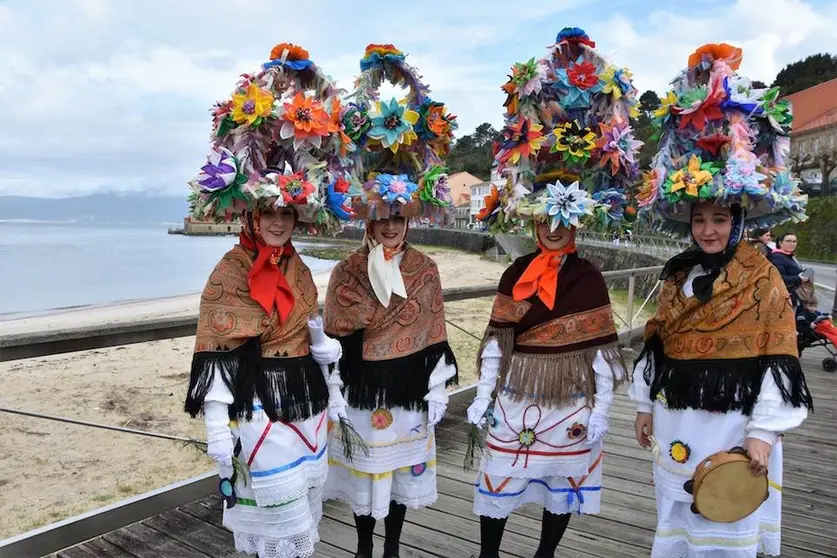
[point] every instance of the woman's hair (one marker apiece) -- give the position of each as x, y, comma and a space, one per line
782, 237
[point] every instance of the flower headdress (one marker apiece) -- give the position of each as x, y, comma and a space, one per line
721, 139
397, 145
567, 136
278, 141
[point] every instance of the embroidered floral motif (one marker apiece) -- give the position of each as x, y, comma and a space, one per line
526, 437
381, 419
417, 470
576, 431
679, 451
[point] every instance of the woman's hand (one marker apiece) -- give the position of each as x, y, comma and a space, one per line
759, 455
644, 426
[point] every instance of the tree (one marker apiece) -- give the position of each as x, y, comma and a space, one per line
756, 84
473, 152
649, 102
802, 74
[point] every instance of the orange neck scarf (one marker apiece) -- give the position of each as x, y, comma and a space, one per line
268, 285
541, 276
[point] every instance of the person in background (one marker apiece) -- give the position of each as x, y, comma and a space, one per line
784, 258
762, 240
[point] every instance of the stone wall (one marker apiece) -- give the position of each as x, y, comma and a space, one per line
613, 258
469, 241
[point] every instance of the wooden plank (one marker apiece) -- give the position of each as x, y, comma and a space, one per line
96, 548
192, 531
144, 542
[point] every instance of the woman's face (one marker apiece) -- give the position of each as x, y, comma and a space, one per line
554, 240
276, 226
711, 226
766, 238
788, 243
389, 232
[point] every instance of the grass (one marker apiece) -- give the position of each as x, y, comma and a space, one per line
342, 250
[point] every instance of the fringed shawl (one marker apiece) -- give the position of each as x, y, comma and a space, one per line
388, 353
548, 354
255, 354
714, 356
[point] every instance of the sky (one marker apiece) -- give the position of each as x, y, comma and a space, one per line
113, 95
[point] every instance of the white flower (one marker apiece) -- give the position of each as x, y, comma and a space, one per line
565, 204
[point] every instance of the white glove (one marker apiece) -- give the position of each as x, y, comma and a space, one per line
489, 371
327, 352
437, 395
597, 425
218, 435
435, 412
336, 402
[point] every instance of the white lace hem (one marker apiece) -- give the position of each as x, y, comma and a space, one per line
412, 503
299, 546
278, 494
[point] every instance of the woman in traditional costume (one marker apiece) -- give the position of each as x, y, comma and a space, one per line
550, 358
385, 304
719, 368
255, 376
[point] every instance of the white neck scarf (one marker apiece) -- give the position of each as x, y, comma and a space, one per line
384, 276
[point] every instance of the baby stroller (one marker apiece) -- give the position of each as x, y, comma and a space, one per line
813, 328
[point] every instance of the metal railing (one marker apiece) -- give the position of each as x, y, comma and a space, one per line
649, 244
74, 530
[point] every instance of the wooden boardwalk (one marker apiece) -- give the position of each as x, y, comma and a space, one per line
450, 530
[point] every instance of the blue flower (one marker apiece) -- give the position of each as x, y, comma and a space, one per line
740, 95
395, 188
574, 35
297, 65
392, 124
612, 202
741, 177
337, 199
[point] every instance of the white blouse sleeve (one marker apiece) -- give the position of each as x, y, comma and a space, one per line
640, 391
219, 390
605, 373
771, 414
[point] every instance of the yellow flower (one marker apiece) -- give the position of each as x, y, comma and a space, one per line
665, 105
251, 105
690, 178
679, 451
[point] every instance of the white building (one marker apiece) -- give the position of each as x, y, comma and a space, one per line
478, 194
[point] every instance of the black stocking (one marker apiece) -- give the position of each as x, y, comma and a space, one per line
552, 529
491, 534
392, 527
365, 525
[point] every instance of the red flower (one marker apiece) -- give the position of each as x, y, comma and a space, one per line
295, 189
583, 75
713, 144
341, 186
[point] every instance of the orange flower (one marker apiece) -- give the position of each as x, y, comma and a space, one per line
721, 51
305, 120
295, 52
491, 202
335, 126
381, 49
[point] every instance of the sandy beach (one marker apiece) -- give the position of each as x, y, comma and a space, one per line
57, 470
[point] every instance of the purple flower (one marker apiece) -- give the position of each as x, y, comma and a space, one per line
219, 171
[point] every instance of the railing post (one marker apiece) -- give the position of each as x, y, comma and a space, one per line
834, 304
631, 287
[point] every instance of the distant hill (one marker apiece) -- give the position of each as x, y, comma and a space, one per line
96, 208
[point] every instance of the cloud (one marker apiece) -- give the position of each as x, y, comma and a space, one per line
104, 95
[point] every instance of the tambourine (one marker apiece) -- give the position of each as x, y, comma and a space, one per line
724, 489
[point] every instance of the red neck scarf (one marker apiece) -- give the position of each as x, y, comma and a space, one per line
268, 285
541, 276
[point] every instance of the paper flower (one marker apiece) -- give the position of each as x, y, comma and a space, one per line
356, 121
714, 143
392, 124
565, 204
665, 105
492, 203
647, 193
433, 122
220, 170
381, 419
741, 177
305, 120
338, 199
616, 82
294, 188
521, 138
576, 431
705, 55
395, 188
617, 144
252, 105
575, 143
688, 181
434, 187
698, 106
290, 56
528, 77
777, 112
739, 95
574, 35
612, 202
527, 437
336, 127
579, 80
378, 54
